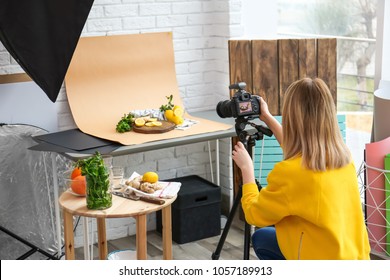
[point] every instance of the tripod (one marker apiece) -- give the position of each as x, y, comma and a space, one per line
249, 142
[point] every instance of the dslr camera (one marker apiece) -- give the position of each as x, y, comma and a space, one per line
242, 103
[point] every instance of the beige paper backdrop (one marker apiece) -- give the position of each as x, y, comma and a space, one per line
112, 75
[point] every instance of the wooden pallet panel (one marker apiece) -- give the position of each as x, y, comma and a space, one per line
240, 69
240, 63
270, 66
264, 64
327, 64
288, 64
307, 58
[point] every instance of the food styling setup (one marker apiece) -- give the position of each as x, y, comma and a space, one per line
96, 178
124, 98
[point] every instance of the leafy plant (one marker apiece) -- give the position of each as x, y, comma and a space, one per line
169, 105
96, 173
125, 124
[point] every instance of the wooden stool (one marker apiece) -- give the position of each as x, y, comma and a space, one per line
121, 207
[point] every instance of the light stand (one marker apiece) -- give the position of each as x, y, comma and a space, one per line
249, 142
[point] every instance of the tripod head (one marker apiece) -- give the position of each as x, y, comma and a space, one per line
249, 139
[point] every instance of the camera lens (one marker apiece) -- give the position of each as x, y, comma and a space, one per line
224, 109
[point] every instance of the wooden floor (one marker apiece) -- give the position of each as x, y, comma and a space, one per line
233, 247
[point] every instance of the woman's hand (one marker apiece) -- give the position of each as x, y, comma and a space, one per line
270, 121
243, 160
264, 111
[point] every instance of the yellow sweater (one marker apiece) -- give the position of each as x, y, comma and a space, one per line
317, 215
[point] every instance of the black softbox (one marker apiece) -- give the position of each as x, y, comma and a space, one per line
41, 35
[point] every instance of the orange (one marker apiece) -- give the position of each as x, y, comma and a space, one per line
76, 172
79, 185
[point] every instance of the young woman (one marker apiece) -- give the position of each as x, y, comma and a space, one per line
311, 207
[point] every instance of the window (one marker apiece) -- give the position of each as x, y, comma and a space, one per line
353, 23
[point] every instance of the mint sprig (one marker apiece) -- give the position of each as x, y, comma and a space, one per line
169, 105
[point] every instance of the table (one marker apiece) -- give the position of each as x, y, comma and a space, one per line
121, 207
172, 142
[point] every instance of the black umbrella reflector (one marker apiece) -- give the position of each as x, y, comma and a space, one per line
41, 35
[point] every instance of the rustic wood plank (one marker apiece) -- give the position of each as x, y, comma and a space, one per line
274, 64
307, 58
240, 67
265, 72
288, 64
327, 63
240, 70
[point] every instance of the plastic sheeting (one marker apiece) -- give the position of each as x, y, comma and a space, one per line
26, 191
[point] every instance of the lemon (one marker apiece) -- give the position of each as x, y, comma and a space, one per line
152, 119
139, 122
149, 124
177, 120
156, 123
178, 111
151, 177
168, 114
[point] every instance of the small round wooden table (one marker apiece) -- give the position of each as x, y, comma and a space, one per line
121, 207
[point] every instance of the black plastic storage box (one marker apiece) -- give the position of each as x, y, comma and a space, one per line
196, 212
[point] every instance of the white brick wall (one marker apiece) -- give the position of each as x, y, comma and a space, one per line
201, 29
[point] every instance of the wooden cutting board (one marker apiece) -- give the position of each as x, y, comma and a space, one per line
165, 127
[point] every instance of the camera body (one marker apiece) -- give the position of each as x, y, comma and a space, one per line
242, 103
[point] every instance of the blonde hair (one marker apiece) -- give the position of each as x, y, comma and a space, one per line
310, 126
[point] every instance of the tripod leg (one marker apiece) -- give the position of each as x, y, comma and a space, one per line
216, 254
247, 238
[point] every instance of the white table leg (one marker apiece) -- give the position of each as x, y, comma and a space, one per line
217, 160
86, 239
211, 162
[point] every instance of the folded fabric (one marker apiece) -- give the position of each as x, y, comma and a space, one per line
156, 113
168, 189
153, 113
187, 123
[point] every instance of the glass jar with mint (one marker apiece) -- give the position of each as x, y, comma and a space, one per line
98, 182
